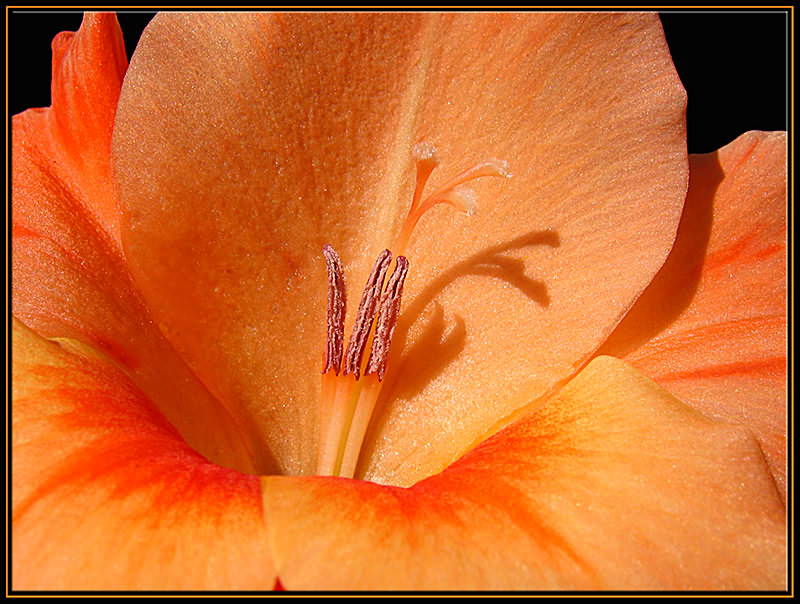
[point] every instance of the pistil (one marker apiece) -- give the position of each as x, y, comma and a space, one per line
453, 192
351, 385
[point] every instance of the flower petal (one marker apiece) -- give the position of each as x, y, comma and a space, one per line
69, 277
614, 484
227, 204
508, 304
712, 327
106, 494
71, 140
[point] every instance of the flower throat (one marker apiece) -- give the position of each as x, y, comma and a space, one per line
351, 380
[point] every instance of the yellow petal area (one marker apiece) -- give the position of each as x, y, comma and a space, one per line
106, 494
69, 278
245, 142
712, 327
613, 484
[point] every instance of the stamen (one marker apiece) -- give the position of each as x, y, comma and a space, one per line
341, 394
336, 311
349, 399
370, 384
387, 320
335, 392
365, 315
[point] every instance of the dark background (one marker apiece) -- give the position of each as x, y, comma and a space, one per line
732, 64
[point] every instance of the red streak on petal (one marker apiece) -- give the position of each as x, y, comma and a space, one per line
729, 253
515, 502
116, 442
773, 367
18, 231
770, 250
737, 252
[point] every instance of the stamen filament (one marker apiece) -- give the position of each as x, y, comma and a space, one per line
365, 405
336, 414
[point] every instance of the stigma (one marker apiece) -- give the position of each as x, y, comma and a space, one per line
351, 378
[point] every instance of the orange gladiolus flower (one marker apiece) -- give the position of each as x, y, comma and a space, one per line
170, 286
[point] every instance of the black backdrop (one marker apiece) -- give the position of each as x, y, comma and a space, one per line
732, 64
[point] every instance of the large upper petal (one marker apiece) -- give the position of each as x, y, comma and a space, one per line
107, 495
613, 484
712, 327
244, 142
69, 278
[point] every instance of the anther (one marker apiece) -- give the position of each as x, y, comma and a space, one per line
366, 314
387, 319
336, 311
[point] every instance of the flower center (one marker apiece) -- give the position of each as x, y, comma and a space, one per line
351, 381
